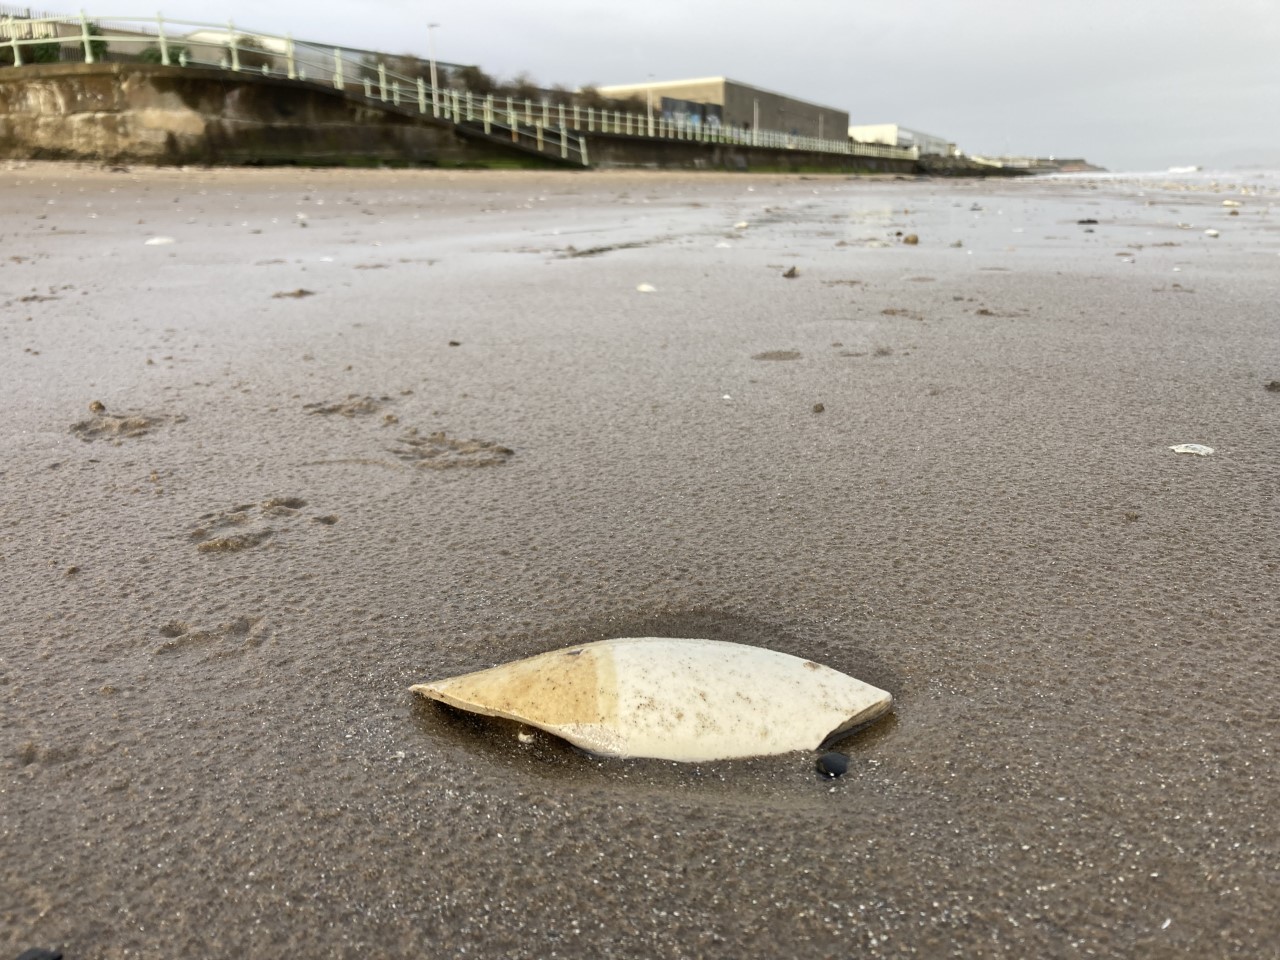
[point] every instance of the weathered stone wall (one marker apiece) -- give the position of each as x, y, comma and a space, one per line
148, 113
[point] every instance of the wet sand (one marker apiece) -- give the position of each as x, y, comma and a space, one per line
361, 430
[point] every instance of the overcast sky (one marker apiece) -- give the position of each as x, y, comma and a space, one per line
1129, 84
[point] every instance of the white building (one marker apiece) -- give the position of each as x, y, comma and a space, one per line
895, 135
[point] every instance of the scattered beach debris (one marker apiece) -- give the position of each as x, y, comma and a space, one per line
818, 408
159, 241
791, 273
1272, 386
646, 288
1199, 449
957, 244
571, 252
832, 765
294, 294
911, 239
1211, 232
686, 700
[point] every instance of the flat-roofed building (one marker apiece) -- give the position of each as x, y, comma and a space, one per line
895, 135
739, 105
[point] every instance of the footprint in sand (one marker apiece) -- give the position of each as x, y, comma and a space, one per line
224, 639
116, 427
777, 355
354, 406
246, 526
436, 451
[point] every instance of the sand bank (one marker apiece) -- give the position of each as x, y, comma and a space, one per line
362, 429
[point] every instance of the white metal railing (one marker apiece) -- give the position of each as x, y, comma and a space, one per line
556, 129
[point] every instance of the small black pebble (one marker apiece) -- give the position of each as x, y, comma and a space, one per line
454, 343
35, 953
832, 765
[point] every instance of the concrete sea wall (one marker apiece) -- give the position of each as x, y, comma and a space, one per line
620, 150
147, 113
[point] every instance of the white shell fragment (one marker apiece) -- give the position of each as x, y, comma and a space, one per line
671, 699
159, 241
1199, 449
646, 288
1211, 232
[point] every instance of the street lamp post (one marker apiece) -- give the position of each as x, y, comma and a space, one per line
431, 58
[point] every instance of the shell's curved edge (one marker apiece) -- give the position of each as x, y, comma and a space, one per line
858, 720
676, 699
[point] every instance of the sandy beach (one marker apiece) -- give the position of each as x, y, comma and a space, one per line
279, 444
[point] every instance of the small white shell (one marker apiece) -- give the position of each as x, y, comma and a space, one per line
1199, 449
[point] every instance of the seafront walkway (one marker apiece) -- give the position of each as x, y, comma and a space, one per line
555, 127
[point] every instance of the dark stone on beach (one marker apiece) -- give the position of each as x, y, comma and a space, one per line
911, 239
832, 765
792, 273
35, 953
1273, 386
97, 406
818, 408
455, 343
1086, 223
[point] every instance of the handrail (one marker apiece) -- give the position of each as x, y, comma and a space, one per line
559, 129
